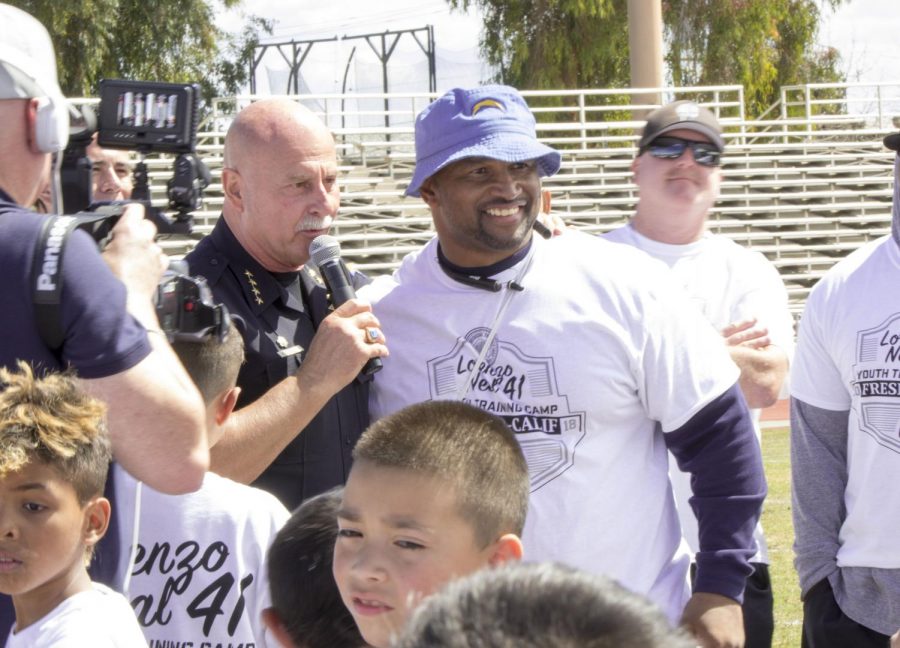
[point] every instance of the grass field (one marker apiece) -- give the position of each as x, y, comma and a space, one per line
780, 536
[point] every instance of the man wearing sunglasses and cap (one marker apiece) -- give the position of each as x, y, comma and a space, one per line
845, 448
594, 360
739, 291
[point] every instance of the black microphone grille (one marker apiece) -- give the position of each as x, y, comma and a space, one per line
324, 248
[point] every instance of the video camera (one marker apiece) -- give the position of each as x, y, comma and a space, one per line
185, 307
146, 117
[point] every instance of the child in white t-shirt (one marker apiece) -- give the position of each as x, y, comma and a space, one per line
194, 571
54, 456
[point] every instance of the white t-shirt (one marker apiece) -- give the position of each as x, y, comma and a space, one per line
588, 361
99, 618
199, 576
728, 283
849, 359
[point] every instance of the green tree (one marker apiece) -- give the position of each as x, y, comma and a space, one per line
161, 40
544, 44
761, 44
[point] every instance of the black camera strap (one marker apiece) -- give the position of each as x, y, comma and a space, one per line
46, 278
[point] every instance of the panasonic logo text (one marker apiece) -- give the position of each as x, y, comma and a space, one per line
46, 281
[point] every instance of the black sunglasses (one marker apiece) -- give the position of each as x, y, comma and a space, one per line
672, 148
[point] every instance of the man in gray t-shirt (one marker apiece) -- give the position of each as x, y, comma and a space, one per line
845, 453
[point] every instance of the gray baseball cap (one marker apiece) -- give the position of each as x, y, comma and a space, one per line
681, 115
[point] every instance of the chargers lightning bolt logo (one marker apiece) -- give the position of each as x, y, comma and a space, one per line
487, 103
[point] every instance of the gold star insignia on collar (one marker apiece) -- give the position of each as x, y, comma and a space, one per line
313, 272
254, 287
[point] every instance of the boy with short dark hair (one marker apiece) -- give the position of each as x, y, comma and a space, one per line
437, 490
540, 605
307, 610
54, 456
196, 575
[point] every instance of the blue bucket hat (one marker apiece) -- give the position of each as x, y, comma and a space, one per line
491, 121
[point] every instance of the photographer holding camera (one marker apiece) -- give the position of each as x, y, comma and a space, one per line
155, 413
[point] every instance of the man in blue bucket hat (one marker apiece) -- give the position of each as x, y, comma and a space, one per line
476, 124
597, 363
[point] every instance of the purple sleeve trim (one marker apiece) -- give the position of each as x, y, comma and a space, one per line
719, 449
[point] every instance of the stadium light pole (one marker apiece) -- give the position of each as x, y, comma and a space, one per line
645, 46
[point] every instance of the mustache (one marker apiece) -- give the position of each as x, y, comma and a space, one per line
314, 223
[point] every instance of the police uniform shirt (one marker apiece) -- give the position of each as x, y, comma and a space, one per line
277, 315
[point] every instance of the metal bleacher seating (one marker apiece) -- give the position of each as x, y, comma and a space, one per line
805, 187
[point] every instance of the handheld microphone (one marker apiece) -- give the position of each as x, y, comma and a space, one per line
325, 253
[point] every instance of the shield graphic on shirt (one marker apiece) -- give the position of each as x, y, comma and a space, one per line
876, 382
520, 389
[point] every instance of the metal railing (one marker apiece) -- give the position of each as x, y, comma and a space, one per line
877, 104
361, 117
805, 184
